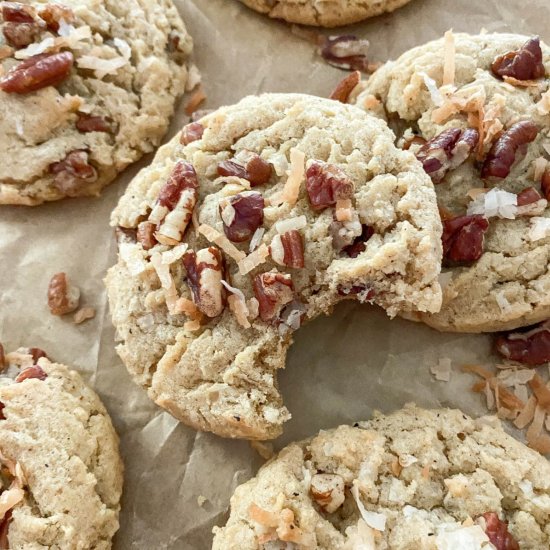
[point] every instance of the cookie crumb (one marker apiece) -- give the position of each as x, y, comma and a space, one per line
83, 314
201, 500
263, 448
442, 371
197, 97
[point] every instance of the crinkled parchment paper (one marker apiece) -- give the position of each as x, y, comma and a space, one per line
338, 370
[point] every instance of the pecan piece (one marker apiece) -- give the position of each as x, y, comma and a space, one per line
31, 372
62, 297
2, 358
175, 204
498, 533
523, 64
345, 87
256, 170
242, 214
73, 172
145, 235
502, 155
37, 72
447, 151
2, 417
204, 276
288, 249
529, 348
273, 291
545, 184
15, 12
52, 14
358, 245
463, 238
346, 52
20, 35
328, 491
191, 132
125, 234
327, 183
36, 353
528, 196
89, 123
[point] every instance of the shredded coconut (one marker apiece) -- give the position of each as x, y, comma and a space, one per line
283, 226
540, 228
296, 175
35, 48
430, 83
222, 241
256, 239
502, 302
123, 47
539, 167
453, 537
173, 255
253, 260
101, 67
495, 203
132, 256
543, 106
372, 519
449, 53
237, 304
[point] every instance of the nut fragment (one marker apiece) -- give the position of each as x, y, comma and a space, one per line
31, 372
523, 64
191, 132
204, 276
36, 353
328, 491
288, 249
502, 155
345, 87
88, 123
73, 172
20, 35
463, 238
242, 214
16, 12
326, 183
273, 291
83, 314
125, 234
545, 184
256, 170
346, 52
146, 235
37, 72
528, 196
62, 297
530, 348
358, 245
52, 14
2, 358
498, 533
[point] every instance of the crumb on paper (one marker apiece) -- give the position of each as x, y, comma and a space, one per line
442, 371
83, 314
263, 448
197, 97
201, 500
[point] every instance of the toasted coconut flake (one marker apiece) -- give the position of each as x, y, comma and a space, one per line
173, 255
543, 106
296, 175
495, 203
132, 256
166, 281
188, 307
406, 460
540, 165
344, 210
479, 370
194, 102
522, 83
449, 53
437, 97
222, 241
123, 47
263, 448
9, 499
263, 517
503, 302
370, 102
83, 314
297, 223
256, 239
526, 414
541, 391
36, 48
442, 371
73, 38
489, 396
512, 377
536, 427
237, 304
372, 519
541, 444
101, 67
253, 260
540, 228
253, 307
192, 326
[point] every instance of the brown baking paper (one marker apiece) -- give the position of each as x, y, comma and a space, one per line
339, 369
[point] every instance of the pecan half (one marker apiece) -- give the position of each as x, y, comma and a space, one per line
256, 170
273, 291
15, 12
37, 72
73, 172
204, 276
545, 184
346, 52
288, 249
498, 533
326, 183
242, 214
463, 238
447, 151
52, 14
145, 235
345, 87
89, 123
529, 348
20, 35
62, 297
191, 132
31, 372
502, 155
528, 196
328, 491
523, 64
358, 245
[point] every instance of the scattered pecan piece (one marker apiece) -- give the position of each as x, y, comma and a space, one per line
328, 491
242, 214
256, 170
273, 291
62, 297
346, 52
502, 155
37, 353
529, 348
528, 196
463, 238
358, 245
191, 132
545, 184
345, 87
447, 151
125, 234
20, 35
73, 172
52, 14
15, 12
288, 249
37, 72
204, 276
498, 533
326, 183
31, 372
89, 123
145, 235
523, 64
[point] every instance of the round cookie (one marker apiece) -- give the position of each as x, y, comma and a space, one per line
86, 88
496, 85
330, 13
422, 479
269, 177
61, 473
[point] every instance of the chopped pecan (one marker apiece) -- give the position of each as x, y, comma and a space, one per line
358, 245
523, 64
62, 297
125, 234
4, 526
15, 12
2, 417
37, 353
498, 533
328, 491
288, 249
502, 155
346, 52
52, 14
463, 238
89, 123
191, 132
528, 196
2, 358
73, 172
31, 372
20, 35
256, 170
326, 183
529, 348
545, 184
273, 291
242, 214
146, 235
37, 72
345, 87
204, 276
447, 151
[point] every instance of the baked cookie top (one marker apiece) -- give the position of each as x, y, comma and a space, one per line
483, 105
330, 13
254, 220
430, 480
60, 469
86, 88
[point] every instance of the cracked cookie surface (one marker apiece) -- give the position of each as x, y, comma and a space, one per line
85, 89
271, 212
415, 479
59, 459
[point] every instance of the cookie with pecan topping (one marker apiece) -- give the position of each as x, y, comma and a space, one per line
60, 469
422, 479
282, 206
475, 110
86, 88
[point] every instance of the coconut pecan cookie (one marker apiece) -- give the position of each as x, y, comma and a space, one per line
60, 469
252, 221
86, 88
330, 13
428, 480
476, 112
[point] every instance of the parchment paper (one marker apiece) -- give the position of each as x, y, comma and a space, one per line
339, 369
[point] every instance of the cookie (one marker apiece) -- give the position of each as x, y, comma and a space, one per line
330, 13
483, 104
422, 479
86, 88
270, 212
61, 473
